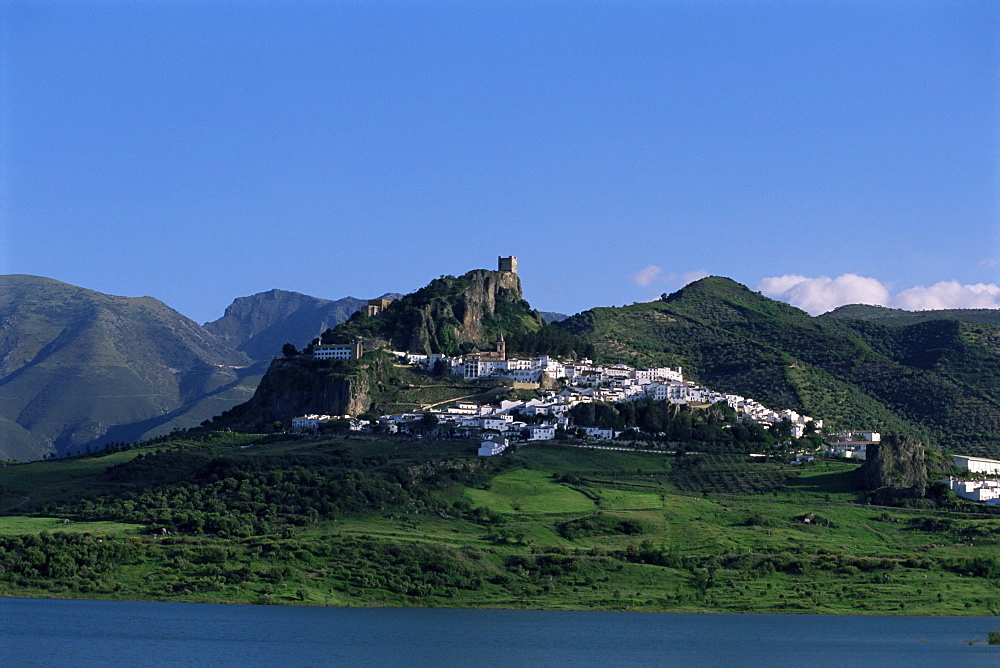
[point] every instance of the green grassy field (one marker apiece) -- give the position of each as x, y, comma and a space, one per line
548, 527
530, 492
15, 525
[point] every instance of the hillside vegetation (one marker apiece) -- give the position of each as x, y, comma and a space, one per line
895, 316
247, 518
937, 379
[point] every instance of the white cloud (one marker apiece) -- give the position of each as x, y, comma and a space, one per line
690, 276
779, 285
645, 276
822, 294
652, 276
948, 294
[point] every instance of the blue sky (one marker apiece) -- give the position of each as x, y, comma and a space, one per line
198, 151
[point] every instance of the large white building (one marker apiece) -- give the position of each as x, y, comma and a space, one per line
311, 421
977, 464
338, 351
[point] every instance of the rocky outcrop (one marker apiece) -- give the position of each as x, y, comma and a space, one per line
469, 316
450, 315
301, 385
897, 463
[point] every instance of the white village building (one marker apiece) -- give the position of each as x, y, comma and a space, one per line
977, 464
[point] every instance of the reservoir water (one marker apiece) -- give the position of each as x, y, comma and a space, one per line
40, 632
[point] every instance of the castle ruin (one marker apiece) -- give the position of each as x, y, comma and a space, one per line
507, 264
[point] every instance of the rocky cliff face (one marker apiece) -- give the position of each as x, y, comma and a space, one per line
453, 315
301, 385
896, 463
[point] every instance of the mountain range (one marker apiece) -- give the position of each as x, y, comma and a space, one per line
260, 324
80, 369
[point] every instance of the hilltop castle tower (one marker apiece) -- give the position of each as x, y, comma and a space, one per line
507, 264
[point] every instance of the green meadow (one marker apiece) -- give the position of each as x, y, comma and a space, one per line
425, 523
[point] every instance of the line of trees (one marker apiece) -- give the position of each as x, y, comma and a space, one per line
658, 420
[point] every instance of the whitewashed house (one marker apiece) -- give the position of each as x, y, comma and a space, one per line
984, 491
541, 432
493, 444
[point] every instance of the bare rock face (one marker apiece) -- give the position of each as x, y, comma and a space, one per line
468, 317
898, 463
449, 315
295, 387
301, 385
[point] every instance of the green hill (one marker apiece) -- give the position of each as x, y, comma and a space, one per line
934, 378
893, 316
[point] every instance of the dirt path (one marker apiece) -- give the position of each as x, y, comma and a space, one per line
16, 505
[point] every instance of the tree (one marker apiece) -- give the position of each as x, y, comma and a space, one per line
289, 350
782, 430
340, 426
429, 421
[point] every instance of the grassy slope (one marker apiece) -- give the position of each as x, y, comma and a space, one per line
728, 551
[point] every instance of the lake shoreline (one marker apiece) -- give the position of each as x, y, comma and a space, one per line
300, 604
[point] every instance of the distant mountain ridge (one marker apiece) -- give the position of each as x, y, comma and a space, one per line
893, 316
260, 324
80, 369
